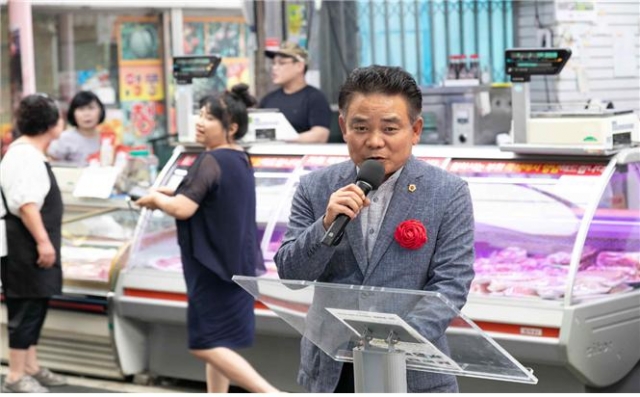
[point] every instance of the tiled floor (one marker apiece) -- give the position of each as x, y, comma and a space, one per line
81, 384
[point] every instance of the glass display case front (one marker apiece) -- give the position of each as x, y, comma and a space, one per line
276, 178
610, 260
155, 245
551, 234
528, 221
92, 243
528, 217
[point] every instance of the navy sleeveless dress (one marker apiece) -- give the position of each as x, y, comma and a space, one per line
217, 242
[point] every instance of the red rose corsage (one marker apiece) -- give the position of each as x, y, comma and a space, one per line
411, 234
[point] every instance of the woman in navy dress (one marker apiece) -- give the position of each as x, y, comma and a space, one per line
214, 207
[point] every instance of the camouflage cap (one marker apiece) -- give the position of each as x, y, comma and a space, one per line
291, 50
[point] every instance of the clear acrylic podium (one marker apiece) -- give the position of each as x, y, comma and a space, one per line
385, 331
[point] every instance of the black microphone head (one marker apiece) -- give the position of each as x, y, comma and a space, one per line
371, 172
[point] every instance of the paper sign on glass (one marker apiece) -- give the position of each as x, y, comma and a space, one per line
269, 125
378, 326
96, 182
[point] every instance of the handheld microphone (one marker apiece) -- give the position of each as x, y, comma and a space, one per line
369, 178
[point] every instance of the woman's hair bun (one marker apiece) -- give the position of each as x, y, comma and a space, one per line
241, 91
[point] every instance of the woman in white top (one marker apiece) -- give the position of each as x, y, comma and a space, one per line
31, 272
86, 112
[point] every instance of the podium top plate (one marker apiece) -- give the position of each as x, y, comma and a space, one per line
339, 317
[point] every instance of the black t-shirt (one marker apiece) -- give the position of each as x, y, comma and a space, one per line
304, 109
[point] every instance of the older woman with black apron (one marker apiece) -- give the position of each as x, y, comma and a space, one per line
31, 272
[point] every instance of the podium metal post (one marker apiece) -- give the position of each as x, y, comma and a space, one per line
379, 371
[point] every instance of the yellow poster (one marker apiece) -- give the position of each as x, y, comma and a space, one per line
297, 24
236, 71
141, 83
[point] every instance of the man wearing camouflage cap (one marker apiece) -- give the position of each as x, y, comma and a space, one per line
304, 106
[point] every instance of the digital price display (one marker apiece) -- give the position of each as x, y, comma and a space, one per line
186, 68
521, 64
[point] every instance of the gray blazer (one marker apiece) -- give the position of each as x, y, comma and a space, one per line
441, 201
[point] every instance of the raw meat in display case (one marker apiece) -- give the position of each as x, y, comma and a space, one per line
528, 215
506, 274
87, 263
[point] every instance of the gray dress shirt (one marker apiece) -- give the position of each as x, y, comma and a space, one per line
371, 217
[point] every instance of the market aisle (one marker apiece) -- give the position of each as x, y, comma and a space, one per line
80, 384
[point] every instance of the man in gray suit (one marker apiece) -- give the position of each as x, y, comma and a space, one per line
380, 119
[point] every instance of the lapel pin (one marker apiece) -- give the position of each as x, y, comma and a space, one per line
412, 188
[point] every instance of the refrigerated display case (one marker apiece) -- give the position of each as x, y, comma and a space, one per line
76, 335
557, 264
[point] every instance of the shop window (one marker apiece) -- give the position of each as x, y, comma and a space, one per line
422, 35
